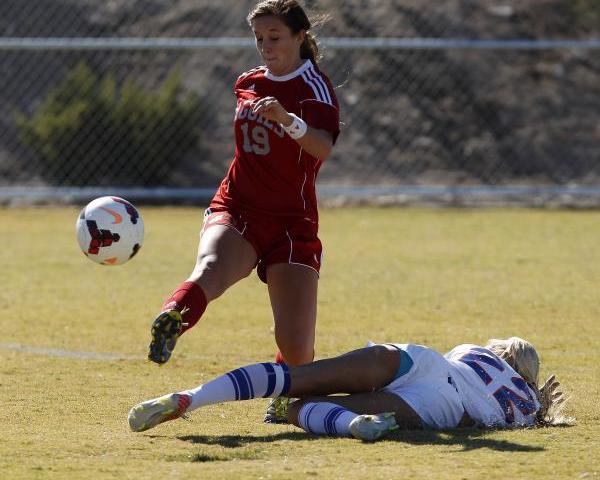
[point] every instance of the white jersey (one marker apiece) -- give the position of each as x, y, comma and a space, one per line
493, 393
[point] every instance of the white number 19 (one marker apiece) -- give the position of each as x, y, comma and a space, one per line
259, 144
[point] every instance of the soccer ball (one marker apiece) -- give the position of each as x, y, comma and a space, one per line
110, 230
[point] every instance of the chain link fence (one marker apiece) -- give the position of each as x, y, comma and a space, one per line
83, 105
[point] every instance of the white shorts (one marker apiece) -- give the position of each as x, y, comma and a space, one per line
427, 388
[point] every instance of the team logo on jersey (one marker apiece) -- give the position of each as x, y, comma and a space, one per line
244, 112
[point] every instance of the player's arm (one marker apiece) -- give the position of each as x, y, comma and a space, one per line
316, 142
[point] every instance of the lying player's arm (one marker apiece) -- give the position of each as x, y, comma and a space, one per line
316, 142
466, 421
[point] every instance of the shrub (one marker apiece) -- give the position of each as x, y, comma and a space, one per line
92, 131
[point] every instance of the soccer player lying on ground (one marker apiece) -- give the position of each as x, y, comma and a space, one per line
389, 386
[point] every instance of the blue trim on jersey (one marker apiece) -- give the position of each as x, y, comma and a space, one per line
406, 362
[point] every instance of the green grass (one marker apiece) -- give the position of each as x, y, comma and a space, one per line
438, 277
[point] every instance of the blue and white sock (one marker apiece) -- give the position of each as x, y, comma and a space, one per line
252, 381
324, 418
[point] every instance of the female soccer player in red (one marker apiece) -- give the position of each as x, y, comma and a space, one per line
264, 214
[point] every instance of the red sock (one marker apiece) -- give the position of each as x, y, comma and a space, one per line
190, 301
279, 357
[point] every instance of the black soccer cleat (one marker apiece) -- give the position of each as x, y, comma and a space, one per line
277, 411
165, 331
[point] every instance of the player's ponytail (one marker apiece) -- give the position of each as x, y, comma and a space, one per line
309, 48
294, 16
522, 356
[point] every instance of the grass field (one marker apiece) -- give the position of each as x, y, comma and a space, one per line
74, 338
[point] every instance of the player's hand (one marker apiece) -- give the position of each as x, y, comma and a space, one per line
271, 109
550, 395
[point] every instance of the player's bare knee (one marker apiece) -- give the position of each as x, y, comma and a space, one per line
209, 276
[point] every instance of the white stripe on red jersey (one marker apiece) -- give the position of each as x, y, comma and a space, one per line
318, 85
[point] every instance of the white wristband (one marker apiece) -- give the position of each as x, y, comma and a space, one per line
297, 129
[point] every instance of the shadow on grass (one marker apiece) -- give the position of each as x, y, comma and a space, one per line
236, 441
468, 439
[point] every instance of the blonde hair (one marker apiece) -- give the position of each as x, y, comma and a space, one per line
522, 356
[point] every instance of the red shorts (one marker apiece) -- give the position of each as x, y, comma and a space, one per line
275, 239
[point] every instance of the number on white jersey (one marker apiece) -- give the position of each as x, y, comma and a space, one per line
508, 398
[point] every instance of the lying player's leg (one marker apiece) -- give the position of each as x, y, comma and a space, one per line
362, 370
366, 413
367, 416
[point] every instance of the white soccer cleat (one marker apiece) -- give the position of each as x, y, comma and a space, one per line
373, 427
150, 413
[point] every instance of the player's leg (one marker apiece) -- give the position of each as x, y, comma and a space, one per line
362, 370
367, 416
224, 257
366, 413
290, 267
293, 295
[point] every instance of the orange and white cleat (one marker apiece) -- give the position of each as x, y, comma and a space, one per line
150, 413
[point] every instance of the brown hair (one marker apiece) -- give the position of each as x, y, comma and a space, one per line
296, 19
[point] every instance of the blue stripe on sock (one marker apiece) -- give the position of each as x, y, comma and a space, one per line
235, 386
307, 416
337, 415
286, 380
326, 425
271, 379
329, 421
249, 380
243, 384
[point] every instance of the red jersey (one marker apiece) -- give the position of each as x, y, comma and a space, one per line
270, 172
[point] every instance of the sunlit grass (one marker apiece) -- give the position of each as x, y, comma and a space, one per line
438, 277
